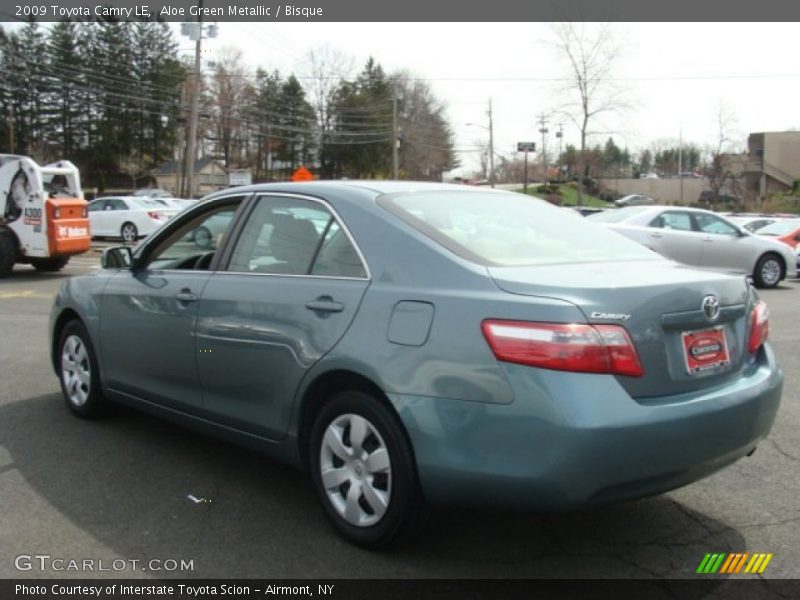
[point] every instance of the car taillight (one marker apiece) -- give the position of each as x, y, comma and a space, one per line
564, 347
84, 212
759, 326
155, 215
57, 213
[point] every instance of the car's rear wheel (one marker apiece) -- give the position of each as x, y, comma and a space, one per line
769, 271
363, 468
78, 372
128, 232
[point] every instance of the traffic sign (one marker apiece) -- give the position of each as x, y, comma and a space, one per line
526, 146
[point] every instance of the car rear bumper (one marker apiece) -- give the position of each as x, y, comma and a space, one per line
574, 440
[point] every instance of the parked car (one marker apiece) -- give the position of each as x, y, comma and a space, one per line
786, 231
634, 200
403, 341
751, 224
128, 217
152, 193
702, 238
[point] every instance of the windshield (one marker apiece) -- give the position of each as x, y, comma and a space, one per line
617, 215
780, 227
498, 229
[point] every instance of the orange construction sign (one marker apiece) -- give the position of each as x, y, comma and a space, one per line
302, 174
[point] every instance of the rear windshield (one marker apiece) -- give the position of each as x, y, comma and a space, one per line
617, 215
507, 229
780, 227
148, 203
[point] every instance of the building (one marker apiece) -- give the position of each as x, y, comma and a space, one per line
773, 162
209, 176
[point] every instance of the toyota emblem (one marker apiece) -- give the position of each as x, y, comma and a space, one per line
711, 307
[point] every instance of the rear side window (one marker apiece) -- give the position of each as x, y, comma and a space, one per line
679, 221
292, 236
507, 229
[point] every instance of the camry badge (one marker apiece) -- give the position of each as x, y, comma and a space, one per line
710, 307
613, 316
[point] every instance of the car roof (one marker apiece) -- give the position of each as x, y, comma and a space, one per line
378, 187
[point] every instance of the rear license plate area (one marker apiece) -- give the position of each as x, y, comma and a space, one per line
705, 350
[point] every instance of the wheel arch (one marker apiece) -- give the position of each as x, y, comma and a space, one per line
325, 385
67, 315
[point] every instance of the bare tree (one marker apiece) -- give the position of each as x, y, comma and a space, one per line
326, 69
589, 54
725, 167
231, 93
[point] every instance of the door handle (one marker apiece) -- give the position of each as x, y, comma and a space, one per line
325, 304
708, 239
185, 295
656, 235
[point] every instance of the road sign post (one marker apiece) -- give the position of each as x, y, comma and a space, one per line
526, 147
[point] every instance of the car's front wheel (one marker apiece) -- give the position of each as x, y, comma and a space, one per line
78, 372
363, 468
769, 271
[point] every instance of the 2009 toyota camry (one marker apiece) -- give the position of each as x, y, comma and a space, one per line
410, 341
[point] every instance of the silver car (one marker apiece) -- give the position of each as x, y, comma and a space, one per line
704, 239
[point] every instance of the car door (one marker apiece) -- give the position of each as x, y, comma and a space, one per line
291, 286
115, 213
671, 234
97, 218
723, 245
149, 312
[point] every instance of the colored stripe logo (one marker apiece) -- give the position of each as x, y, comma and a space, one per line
734, 563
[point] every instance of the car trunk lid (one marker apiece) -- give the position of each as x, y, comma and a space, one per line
657, 302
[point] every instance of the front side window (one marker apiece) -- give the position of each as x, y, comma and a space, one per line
506, 229
193, 245
292, 236
95, 205
712, 224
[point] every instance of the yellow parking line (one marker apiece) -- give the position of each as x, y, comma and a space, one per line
24, 294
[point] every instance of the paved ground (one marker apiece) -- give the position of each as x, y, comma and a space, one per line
117, 489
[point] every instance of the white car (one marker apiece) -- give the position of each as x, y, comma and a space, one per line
128, 217
752, 224
704, 239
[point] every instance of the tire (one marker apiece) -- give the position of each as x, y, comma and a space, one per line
769, 271
49, 265
128, 232
387, 498
8, 252
202, 237
78, 373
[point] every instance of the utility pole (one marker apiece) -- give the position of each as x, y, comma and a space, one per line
395, 138
543, 130
194, 31
560, 136
491, 145
680, 160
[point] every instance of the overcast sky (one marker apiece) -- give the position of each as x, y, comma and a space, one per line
677, 74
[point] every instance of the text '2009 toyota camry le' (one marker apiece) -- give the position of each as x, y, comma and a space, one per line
410, 342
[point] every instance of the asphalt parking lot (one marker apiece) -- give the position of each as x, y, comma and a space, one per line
119, 489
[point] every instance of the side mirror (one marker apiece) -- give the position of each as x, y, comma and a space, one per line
119, 257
